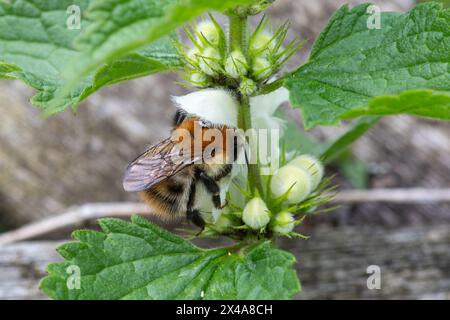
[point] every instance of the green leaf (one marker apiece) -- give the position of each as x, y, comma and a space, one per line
120, 27
424, 103
351, 64
36, 45
139, 260
264, 273
6, 70
446, 3
342, 143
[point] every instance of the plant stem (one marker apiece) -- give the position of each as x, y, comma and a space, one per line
238, 33
271, 87
239, 41
245, 123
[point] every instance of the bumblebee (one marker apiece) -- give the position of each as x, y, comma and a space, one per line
188, 174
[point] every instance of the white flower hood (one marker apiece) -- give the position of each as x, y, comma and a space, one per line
217, 106
263, 107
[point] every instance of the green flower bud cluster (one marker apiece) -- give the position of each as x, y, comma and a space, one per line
266, 51
211, 61
204, 60
291, 191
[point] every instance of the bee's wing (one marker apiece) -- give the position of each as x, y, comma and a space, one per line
158, 163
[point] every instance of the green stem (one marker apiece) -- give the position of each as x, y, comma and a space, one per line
245, 123
271, 87
239, 41
238, 33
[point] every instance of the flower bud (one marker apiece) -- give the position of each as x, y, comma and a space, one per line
312, 165
209, 61
296, 179
283, 222
198, 79
256, 214
209, 31
262, 43
248, 86
193, 55
262, 68
236, 65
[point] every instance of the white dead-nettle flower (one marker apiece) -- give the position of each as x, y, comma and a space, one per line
312, 165
256, 215
236, 65
283, 222
290, 178
217, 106
209, 31
220, 106
263, 109
209, 61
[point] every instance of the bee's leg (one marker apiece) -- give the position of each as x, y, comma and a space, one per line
225, 172
196, 218
212, 187
191, 214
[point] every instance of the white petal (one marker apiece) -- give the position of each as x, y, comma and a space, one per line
269, 103
215, 105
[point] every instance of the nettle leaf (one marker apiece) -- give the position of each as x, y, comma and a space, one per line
425, 103
36, 46
351, 65
123, 26
446, 3
139, 260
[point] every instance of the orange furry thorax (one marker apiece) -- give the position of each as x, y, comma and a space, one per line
199, 137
